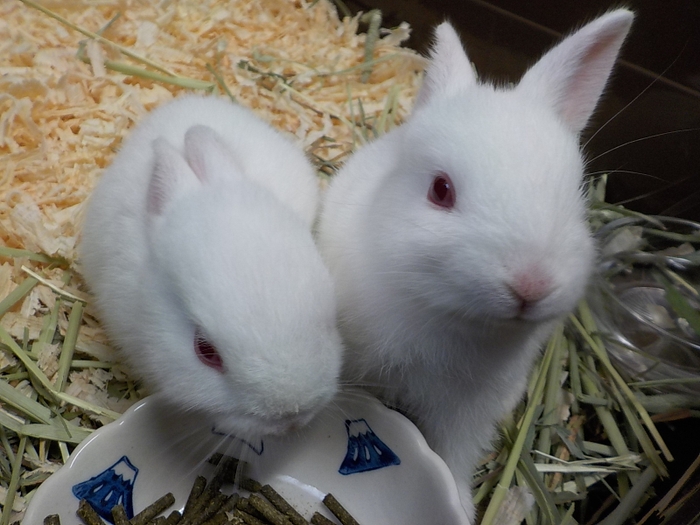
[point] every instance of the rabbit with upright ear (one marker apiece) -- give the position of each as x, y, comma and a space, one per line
197, 246
458, 240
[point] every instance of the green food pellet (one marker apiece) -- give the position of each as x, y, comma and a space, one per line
230, 503
215, 458
197, 488
174, 518
218, 519
250, 485
320, 519
212, 507
265, 508
338, 510
226, 467
244, 505
53, 519
119, 515
155, 508
282, 505
247, 518
200, 504
236, 520
88, 514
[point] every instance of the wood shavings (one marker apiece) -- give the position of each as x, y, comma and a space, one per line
15, 324
90, 386
6, 284
18, 504
6, 362
48, 359
59, 112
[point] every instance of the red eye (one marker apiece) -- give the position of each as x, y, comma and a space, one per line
441, 192
207, 352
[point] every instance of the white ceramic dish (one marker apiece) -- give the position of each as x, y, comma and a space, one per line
373, 460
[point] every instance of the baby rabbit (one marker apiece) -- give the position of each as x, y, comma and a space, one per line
197, 246
458, 240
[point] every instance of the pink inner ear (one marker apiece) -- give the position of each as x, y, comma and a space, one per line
207, 152
166, 169
171, 176
154, 200
586, 85
571, 76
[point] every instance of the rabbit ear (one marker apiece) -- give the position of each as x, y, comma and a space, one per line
449, 70
171, 174
207, 153
572, 76
206, 158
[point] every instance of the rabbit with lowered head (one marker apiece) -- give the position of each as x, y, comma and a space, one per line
458, 240
197, 247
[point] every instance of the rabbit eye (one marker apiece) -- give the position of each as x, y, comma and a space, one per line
441, 191
207, 352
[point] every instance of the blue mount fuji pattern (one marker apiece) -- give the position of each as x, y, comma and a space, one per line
110, 487
365, 450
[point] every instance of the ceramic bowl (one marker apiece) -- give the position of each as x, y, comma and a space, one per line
372, 459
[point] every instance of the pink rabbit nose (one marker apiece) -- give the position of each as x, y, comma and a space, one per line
529, 288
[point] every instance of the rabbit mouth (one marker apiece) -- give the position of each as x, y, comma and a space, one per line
536, 313
532, 310
257, 426
288, 423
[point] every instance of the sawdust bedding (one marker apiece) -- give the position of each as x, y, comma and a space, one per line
67, 101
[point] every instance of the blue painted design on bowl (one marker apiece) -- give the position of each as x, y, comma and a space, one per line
365, 450
109, 488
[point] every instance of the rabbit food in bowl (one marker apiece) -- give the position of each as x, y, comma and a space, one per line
372, 459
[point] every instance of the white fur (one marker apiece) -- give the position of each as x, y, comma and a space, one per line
428, 297
204, 219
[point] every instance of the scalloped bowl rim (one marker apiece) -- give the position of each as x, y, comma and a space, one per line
291, 462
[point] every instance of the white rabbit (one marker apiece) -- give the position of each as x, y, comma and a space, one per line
459, 239
197, 246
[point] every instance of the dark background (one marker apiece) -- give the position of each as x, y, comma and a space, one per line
647, 127
652, 145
